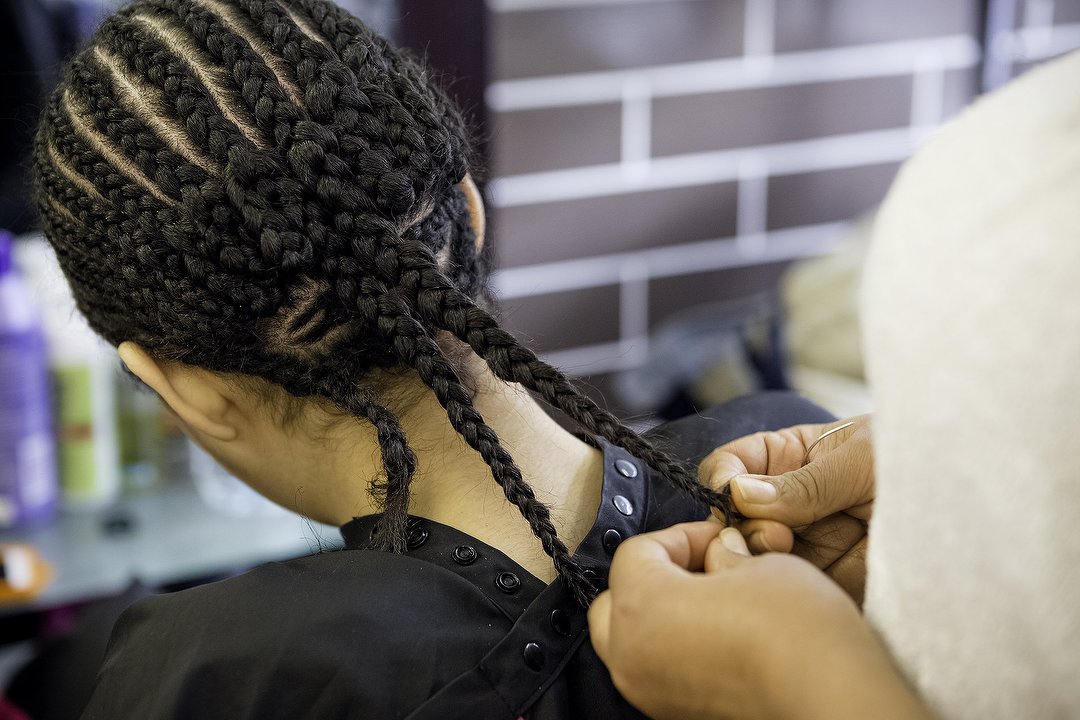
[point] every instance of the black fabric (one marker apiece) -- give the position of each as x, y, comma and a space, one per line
30, 51
57, 683
453, 629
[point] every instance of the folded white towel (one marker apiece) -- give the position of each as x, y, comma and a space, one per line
971, 312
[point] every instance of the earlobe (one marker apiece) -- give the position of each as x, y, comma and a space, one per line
186, 390
476, 209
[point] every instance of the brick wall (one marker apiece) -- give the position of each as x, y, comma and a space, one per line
1024, 33
649, 155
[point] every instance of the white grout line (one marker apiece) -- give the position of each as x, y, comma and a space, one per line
628, 352
1038, 13
752, 210
636, 124
846, 63
826, 153
759, 28
997, 63
1038, 24
1029, 44
927, 92
1040, 43
634, 308
662, 262
593, 359
671, 261
509, 6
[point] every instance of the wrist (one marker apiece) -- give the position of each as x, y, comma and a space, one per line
856, 680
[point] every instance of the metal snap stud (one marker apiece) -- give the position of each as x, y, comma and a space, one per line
508, 582
534, 656
417, 536
560, 622
464, 554
612, 538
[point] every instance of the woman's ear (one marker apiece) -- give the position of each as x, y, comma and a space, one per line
193, 394
476, 209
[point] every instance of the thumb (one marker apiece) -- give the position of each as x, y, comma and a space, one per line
725, 551
834, 482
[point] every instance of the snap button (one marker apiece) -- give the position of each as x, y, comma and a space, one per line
560, 622
612, 538
464, 555
417, 537
626, 468
508, 582
534, 656
623, 505
596, 579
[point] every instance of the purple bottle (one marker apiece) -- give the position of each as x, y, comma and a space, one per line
28, 485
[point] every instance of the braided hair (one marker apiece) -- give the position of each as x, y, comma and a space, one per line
266, 188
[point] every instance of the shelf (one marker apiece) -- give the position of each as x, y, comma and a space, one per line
163, 536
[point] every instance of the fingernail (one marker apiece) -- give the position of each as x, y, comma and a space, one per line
760, 539
733, 541
755, 491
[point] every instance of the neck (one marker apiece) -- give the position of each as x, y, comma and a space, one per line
454, 486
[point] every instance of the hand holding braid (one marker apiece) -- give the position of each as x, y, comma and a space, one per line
266, 187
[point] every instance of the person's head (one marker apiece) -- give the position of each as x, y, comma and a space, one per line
266, 193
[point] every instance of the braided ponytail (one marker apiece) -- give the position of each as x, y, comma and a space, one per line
413, 345
267, 188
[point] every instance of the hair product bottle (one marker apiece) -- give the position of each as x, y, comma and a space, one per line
28, 486
84, 374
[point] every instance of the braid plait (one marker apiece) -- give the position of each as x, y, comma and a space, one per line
445, 307
416, 348
398, 460
268, 188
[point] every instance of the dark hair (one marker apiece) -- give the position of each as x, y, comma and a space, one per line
268, 188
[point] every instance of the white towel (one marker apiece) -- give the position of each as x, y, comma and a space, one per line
971, 312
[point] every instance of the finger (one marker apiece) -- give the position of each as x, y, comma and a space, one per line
763, 453
833, 482
679, 548
766, 536
827, 540
725, 551
849, 571
600, 624
717, 469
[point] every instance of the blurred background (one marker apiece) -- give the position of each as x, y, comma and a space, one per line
679, 191
649, 157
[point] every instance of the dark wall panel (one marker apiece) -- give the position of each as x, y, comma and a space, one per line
696, 123
553, 138
614, 224
560, 320
827, 196
613, 36
813, 24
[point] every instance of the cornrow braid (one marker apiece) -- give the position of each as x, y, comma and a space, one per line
267, 188
398, 459
444, 306
413, 345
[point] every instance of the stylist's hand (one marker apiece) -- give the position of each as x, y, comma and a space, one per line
750, 637
818, 510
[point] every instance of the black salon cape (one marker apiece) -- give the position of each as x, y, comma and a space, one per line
453, 629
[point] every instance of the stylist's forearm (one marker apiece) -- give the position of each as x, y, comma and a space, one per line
869, 686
